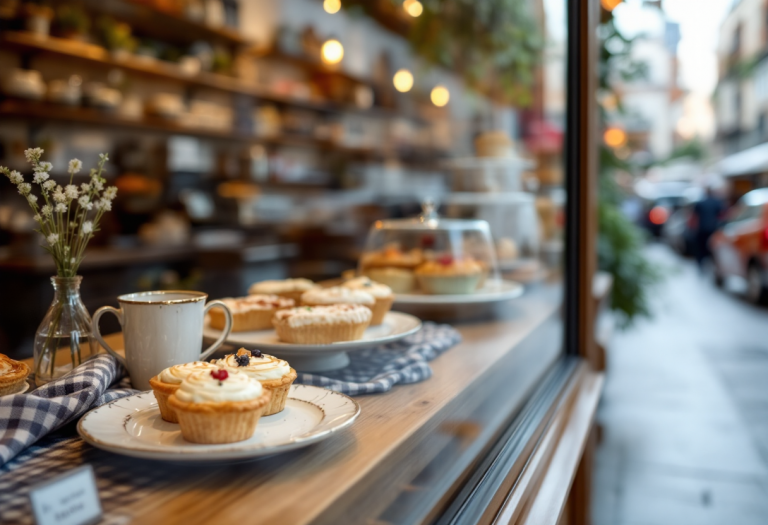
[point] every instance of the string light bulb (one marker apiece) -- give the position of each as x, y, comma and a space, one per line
440, 96
609, 5
403, 80
615, 137
332, 6
332, 51
413, 8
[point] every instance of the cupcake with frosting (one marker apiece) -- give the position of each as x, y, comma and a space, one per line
393, 267
322, 324
219, 406
274, 374
337, 295
168, 381
249, 313
288, 288
382, 295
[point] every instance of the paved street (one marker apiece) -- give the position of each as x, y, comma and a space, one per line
685, 410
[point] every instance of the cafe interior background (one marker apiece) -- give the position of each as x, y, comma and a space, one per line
254, 140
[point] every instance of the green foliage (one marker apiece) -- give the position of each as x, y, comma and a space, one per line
72, 19
694, 149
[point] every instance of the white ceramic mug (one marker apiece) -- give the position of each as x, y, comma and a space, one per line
161, 329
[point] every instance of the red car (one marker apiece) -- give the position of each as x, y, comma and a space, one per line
740, 246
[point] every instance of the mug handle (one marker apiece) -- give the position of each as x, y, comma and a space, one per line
224, 334
97, 332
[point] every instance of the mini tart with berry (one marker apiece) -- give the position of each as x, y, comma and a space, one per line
313, 325
274, 374
381, 293
219, 406
447, 275
13, 374
249, 313
168, 382
288, 288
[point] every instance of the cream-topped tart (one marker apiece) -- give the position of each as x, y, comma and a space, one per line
381, 293
289, 288
219, 406
169, 380
13, 374
274, 374
337, 295
322, 324
253, 312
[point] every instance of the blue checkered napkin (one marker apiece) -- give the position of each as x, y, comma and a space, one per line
25, 418
378, 369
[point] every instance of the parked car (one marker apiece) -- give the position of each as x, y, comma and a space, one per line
679, 231
662, 200
740, 246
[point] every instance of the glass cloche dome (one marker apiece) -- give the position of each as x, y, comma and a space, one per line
431, 255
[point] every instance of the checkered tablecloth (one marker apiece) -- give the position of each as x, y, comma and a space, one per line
378, 369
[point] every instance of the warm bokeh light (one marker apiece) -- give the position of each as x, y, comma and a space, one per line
658, 215
610, 5
615, 137
332, 51
403, 80
440, 96
332, 6
413, 7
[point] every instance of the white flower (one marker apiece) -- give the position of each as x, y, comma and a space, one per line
66, 249
25, 188
58, 195
110, 192
104, 204
104, 156
85, 187
61, 207
72, 260
52, 238
43, 166
40, 177
97, 184
72, 225
33, 154
32, 199
16, 177
71, 191
87, 227
83, 201
75, 165
38, 218
46, 210
49, 185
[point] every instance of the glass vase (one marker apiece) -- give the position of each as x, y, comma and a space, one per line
65, 337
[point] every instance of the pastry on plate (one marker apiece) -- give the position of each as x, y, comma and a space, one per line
249, 313
381, 293
219, 406
337, 295
274, 374
288, 288
13, 375
322, 324
400, 280
168, 381
447, 275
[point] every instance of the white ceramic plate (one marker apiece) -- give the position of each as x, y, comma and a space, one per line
132, 426
318, 358
502, 291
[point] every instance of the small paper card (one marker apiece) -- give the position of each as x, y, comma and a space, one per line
70, 499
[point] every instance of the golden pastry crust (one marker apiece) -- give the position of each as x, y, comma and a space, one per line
392, 257
279, 388
250, 313
210, 407
450, 268
321, 334
12, 375
162, 392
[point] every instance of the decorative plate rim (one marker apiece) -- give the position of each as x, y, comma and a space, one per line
508, 290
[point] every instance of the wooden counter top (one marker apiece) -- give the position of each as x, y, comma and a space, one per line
333, 481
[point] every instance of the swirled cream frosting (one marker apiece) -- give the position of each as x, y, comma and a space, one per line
378, 290
174, 375
261, 368
337, 313
202, 387
337, 295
